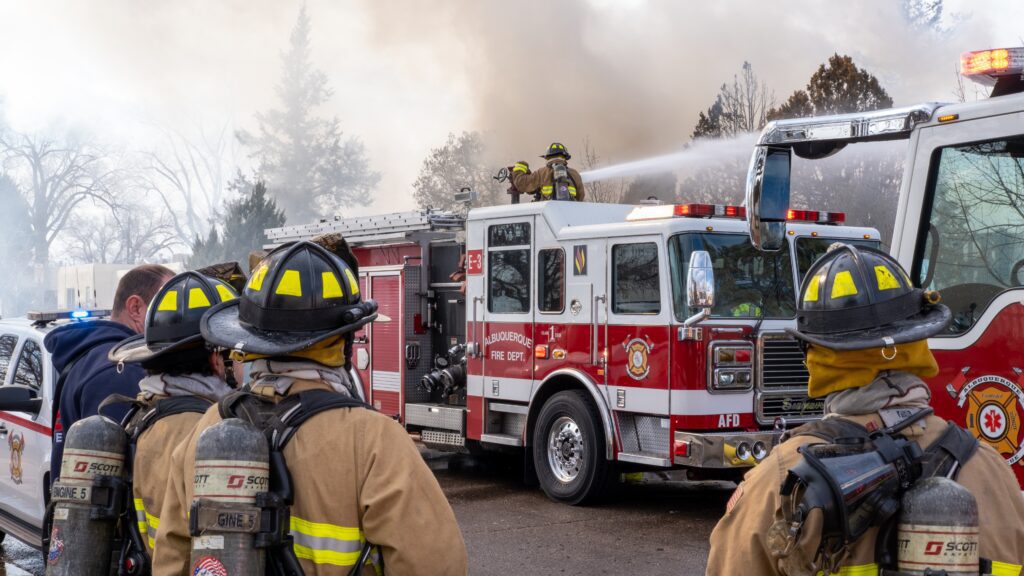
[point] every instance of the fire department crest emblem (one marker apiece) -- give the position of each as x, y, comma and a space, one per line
995, 408
637, 351
16, 443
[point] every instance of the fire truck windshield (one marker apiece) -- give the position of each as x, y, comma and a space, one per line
810, 249
748, 283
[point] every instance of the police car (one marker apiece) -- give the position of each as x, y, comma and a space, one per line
27, 380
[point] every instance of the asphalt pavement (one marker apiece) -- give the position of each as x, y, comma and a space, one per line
653, 524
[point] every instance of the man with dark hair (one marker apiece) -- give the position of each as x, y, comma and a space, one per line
80, 351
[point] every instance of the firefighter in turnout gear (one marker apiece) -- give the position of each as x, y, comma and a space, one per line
554, 181
353, 476
184, 378
864, 329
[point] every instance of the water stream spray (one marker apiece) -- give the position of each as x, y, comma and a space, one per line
689, 159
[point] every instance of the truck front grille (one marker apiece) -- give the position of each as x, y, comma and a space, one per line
782, 382
782, 364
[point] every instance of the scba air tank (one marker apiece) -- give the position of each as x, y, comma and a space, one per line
232, 468
938, 529
87, 499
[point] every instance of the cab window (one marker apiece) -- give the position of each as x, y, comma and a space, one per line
635, 286
551, 287
808, 250
7, 344
29, 371
508, 268
973, 248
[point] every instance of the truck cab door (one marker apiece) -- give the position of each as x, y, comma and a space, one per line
508, 310
638, 327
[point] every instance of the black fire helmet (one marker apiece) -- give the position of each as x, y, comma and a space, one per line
173, 318
555, 150
860, 298
300, 294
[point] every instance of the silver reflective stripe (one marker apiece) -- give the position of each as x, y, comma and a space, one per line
326, 543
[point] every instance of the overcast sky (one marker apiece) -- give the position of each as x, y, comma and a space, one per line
630, 75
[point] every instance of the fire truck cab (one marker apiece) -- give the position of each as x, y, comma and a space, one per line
593, 337
959, 230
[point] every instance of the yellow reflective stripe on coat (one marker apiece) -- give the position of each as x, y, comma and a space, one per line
861, 570
520, 167
324, 543
140, 515
1005, 569
572, 191
149, 525
546, 190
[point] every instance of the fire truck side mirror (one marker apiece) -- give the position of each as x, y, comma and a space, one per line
700, 281
768, 197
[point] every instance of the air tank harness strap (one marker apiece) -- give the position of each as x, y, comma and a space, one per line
270, 519
134, 558
943, 457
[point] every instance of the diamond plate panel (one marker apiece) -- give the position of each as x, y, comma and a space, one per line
513, 424
652, 435
435, 416
627, 432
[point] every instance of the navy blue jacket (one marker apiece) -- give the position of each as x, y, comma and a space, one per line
92, 378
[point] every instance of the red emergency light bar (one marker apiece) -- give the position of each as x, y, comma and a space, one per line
686, 211
709, 211
816, 216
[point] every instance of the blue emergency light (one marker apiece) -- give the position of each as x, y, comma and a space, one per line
43, 318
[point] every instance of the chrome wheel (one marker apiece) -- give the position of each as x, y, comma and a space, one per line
565, 449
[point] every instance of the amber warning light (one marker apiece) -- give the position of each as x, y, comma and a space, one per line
1000, 66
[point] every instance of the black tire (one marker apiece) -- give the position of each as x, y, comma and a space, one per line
577, 472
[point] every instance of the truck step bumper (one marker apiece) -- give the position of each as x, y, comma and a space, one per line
723, 449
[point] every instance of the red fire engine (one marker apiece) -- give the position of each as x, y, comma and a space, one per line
595, 337
959, 230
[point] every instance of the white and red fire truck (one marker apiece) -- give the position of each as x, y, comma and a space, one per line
578, 334
959, 230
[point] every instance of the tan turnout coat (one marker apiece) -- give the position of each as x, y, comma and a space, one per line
153, 460
533, 182
739, 541
356, 474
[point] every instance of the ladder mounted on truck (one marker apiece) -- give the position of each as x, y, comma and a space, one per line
397, 226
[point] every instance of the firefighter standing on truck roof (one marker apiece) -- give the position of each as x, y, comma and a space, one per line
866, 330
184, 378
554, 181
356, 474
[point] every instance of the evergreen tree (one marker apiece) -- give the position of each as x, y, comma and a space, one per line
304, 158
206, 251
837, 87
244, 222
